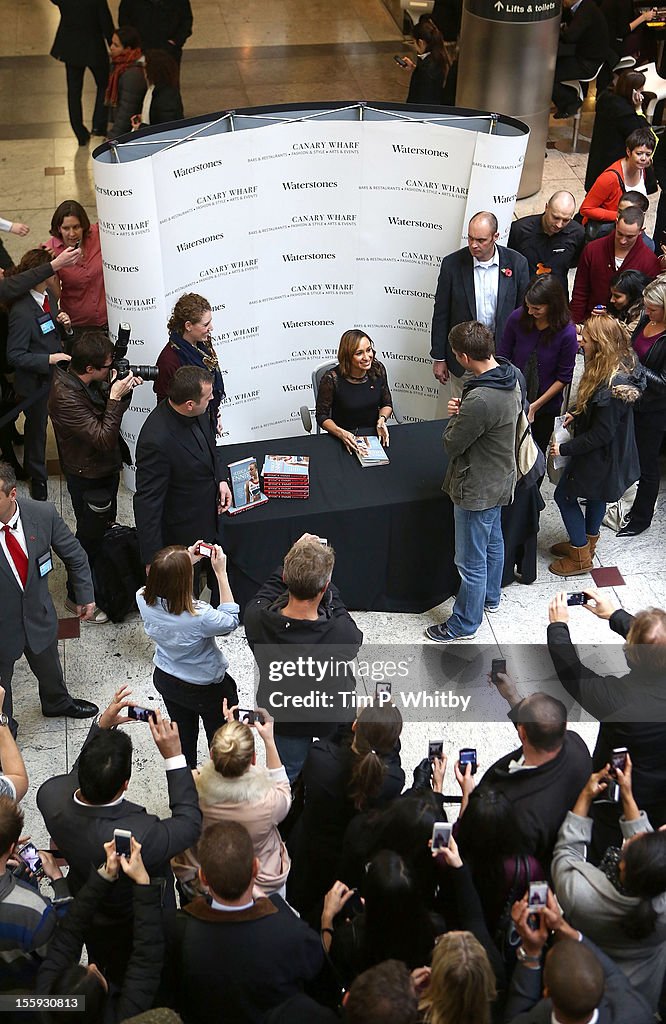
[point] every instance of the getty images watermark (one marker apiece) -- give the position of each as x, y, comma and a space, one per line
428, 682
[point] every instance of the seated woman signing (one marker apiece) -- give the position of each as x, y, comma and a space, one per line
354, 397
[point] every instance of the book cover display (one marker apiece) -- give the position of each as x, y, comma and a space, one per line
245, 486
371, 452
287, 476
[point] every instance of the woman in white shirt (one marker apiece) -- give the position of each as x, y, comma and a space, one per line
190, 669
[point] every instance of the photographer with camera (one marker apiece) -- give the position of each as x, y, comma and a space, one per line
27, 919
86, 413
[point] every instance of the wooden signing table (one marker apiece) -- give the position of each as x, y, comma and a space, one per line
391, 526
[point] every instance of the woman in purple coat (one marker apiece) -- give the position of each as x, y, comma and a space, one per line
540, 339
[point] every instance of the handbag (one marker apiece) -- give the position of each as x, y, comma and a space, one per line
530, 460
617, 512
556, 464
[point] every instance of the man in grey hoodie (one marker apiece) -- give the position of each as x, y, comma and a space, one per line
479, 439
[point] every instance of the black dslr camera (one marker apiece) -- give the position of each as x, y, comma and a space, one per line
122, 365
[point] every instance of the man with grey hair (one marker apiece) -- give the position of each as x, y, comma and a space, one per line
551, 241
297, 610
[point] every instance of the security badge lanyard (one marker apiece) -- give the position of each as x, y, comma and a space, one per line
45, 563
46, 324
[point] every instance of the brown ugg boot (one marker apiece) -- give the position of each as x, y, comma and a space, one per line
576, 563
564, 547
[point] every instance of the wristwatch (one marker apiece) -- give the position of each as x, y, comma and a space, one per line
4, 719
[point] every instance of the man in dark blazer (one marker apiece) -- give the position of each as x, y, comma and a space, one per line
28, 531
488, 294
85, 28
584, 45
180, 485
82, 809
162, 24
34, 347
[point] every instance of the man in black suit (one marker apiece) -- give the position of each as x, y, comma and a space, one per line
237, 957
543, 776
85, 28
81, 811
29, 531
180, 490
483, 282
584, 45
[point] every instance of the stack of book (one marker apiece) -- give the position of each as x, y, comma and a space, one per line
286, 476
371, 452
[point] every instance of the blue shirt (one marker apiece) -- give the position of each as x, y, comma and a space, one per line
185, 643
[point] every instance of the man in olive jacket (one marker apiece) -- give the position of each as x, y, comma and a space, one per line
479, 439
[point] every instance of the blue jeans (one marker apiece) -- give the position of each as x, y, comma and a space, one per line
480, 560
293, 751
576, 524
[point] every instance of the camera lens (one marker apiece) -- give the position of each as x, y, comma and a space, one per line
145, 372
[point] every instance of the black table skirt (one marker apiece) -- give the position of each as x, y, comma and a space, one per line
391, 526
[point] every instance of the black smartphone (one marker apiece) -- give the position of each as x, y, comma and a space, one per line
497, 665
538, 896
466, 756
435, 749
618, 760
383, 693
249, 716
399, 60
31, 859
578, 598
140, 714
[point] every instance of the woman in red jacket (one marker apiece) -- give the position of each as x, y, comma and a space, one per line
601, 202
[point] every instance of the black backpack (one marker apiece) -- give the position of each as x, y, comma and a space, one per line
118, 572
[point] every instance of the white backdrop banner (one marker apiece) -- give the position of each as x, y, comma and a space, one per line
296, 230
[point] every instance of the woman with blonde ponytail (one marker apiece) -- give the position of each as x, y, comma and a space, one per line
233, 787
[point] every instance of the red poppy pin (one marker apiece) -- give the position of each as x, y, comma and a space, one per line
33, 538
507, 271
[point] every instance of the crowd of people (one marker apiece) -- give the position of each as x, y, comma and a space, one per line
301, 878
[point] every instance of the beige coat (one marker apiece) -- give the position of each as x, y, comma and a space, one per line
260, 799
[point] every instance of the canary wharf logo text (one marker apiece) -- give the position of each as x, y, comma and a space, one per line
227, 193
112, 226
324, 218
318, 147
318, 289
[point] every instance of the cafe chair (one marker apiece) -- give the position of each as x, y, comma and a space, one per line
577, 85
656, 85
307, 413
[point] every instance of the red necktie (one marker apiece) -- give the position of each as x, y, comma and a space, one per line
47, 305
17, 554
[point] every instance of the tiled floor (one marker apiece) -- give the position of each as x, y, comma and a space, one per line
271, 51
